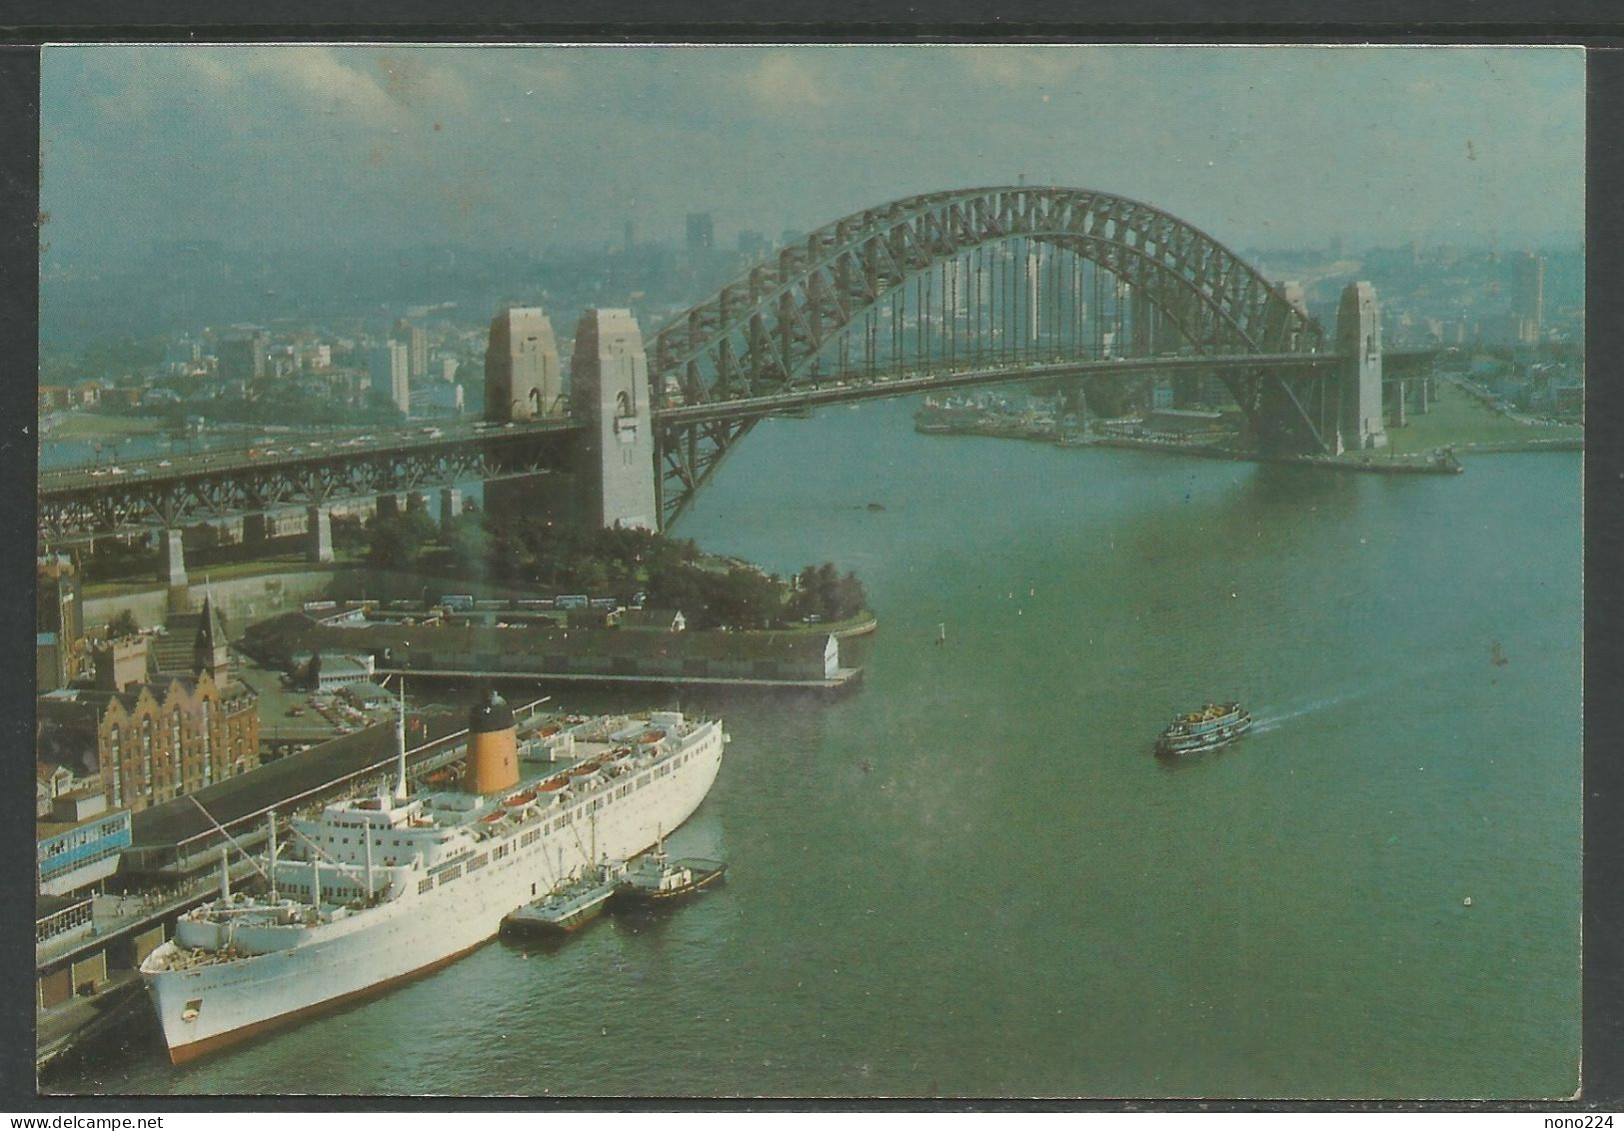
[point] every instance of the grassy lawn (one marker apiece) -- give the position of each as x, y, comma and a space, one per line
830, 626
103, 426
1458, 418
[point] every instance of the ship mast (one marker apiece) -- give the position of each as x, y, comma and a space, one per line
400, 743
271, 818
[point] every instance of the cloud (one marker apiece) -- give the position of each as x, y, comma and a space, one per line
396, 142
1030, 68
785, 81
377, 87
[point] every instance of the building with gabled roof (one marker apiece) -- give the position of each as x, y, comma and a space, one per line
162, 716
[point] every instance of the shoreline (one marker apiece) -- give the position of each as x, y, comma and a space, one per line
1439, 461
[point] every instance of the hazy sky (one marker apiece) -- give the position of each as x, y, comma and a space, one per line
1271, 146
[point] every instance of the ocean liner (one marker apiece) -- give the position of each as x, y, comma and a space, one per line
380, 888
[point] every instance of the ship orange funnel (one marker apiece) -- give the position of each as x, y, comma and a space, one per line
493, 749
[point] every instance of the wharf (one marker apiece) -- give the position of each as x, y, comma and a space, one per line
1427, 465
117, 922
71, 1026
843, 678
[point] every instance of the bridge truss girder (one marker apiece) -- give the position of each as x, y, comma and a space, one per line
761, 334
214, 495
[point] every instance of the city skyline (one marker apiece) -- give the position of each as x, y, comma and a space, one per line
299, 147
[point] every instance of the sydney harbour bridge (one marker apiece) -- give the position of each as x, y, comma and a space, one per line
934, 292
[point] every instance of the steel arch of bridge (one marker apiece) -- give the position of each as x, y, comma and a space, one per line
760, 334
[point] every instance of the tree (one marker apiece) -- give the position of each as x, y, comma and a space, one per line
470, 543
746, 598
682, 587
821, 592
1112, 396
849, 598
124, 624
396, 541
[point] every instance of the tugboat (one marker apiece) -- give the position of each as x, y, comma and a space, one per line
569, 906
1215, 725
655, 879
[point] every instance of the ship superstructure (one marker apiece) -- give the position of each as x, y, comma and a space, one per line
375, 889
1215, 725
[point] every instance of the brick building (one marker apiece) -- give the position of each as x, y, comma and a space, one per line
159, 740
162, 716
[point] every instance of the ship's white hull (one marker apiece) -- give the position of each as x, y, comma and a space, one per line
206, 1006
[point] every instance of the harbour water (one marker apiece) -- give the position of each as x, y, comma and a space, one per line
972, 877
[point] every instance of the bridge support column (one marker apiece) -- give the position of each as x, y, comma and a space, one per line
320, 546
173, 571
450, 506
1399, 405
615, 468
388, 506
1423, 395
256, 529
1359, 341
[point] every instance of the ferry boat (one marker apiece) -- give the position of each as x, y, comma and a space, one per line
656, 879
383, 888
1215, 725
570, 906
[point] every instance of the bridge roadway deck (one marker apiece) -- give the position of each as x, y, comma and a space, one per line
882, 385
298, 450
304, 469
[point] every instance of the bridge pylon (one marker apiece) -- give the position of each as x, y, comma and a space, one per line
1359, 342
609, 394
522, 375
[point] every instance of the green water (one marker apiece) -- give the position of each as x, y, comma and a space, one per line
971, 877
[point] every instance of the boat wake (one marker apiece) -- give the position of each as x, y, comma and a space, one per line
1268, 718
1263, 723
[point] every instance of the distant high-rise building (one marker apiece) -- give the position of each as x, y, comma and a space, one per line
391, 371
521, 366
1528, 295
701, 231
417, 351
59, 621
242, 356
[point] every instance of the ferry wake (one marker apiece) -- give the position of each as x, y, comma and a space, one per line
380, 888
